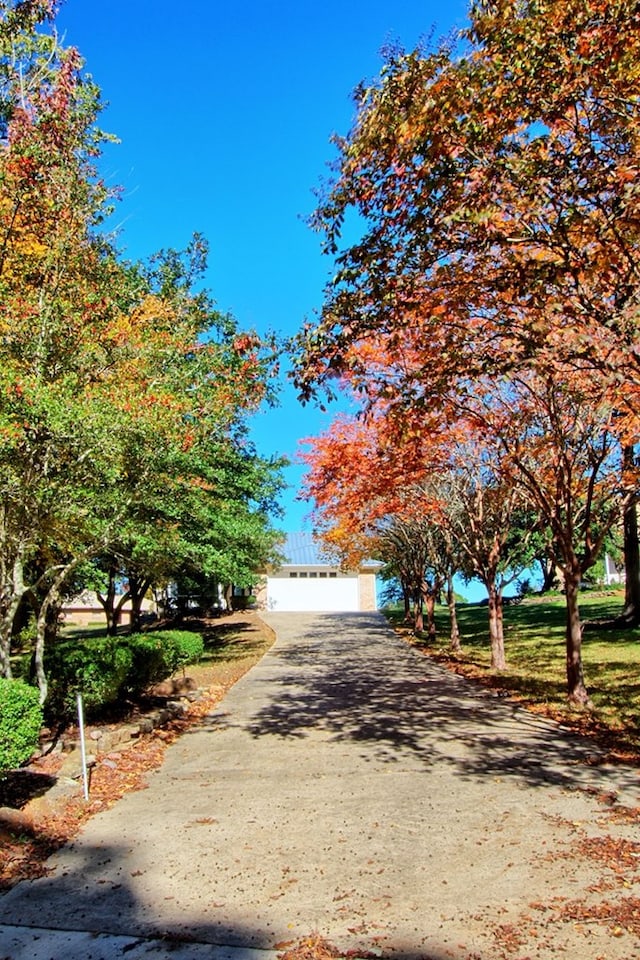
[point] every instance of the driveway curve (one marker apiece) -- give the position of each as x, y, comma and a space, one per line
350, 787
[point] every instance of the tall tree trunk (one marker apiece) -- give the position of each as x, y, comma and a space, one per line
50, 603
12, 594
631, 612
228, 597
429, 598
406, 597
453, 619
549, 568
496, 631
108, 603
418, 613
6, 636
576, 689
52, 598
137, 590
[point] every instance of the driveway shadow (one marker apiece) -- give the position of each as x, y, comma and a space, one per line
89, 908
351, 677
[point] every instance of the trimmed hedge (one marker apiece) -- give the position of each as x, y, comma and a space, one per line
20, 723
97, 668
186, 648
158, 654
111, 669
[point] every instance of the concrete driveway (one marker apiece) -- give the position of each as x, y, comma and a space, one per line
345, 786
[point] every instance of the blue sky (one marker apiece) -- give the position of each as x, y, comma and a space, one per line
224, 113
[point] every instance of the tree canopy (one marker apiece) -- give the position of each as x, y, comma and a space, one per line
493, 290
124, 392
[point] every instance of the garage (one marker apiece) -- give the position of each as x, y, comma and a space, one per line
308, 583
302, 591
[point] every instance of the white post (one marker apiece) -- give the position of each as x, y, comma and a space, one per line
83, 749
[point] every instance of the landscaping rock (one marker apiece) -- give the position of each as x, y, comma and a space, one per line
175, 687
72, 766
178, 708
16, 820
118, 736
41, 807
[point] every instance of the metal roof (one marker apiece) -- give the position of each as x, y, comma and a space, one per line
302, 550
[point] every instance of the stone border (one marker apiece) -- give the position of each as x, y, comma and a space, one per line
105, 741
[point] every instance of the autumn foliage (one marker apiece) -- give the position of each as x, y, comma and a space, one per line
123, 391
491, 299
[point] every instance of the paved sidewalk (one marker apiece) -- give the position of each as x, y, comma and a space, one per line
346, 786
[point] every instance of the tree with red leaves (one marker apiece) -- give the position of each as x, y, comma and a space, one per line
496, 184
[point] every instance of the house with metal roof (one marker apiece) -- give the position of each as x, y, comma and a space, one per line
309, 582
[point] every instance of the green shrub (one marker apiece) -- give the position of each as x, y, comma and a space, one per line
151, 661
186, 647
20, 723
158, 654
98, 669
108, 669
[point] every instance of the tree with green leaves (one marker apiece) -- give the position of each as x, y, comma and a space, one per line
121, 386
56, 286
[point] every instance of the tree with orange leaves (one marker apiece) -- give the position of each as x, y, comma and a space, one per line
561, 449
366, 490
428, 501
496, 185
123, 392
480, 509
496, 182
523, 443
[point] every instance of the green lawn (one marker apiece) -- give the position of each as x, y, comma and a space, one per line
535, 649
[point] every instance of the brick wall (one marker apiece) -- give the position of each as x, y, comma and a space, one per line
367, 588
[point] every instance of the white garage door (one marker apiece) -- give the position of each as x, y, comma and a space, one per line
300, 595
